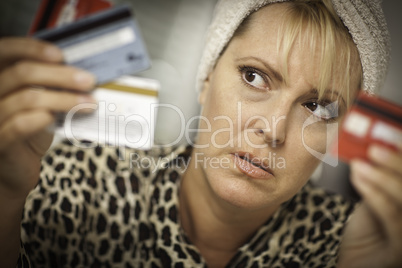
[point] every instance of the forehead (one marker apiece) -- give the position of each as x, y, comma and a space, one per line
263, 38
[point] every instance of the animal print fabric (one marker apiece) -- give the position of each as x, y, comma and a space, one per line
111, 207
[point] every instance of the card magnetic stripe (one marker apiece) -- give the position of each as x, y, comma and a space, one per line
48, 6
96, 21
371, 107
136, 90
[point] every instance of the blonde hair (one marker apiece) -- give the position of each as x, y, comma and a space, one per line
315, 24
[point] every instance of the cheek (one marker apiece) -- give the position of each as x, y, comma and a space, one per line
305, 144
305, 149
317, 138
220, 115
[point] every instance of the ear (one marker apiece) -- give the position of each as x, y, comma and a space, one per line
204, 92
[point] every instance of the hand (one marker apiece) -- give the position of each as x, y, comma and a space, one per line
373, 236
26, 111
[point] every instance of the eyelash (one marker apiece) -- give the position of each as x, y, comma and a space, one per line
244, 68
323, 103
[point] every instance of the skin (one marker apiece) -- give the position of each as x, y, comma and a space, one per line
216, 221
222, 207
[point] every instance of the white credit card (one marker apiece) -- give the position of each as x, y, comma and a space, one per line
124, 116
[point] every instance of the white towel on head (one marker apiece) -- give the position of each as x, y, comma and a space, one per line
364, 19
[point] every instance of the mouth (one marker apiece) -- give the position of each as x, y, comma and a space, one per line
246, 158
252, 166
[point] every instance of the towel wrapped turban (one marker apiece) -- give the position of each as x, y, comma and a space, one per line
363, 18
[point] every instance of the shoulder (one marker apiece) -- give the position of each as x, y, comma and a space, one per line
97, 190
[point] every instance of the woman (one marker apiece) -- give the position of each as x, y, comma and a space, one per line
240, 196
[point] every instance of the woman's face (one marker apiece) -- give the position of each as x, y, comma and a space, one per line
245, 94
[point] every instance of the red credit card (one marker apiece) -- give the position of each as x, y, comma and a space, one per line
370, 120
54, 13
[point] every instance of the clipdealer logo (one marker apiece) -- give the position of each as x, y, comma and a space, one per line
145, 133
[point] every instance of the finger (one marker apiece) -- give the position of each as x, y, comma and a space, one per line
23, 126
26, 73
382, 178
386, 210
386, 157
29, 99
16, 48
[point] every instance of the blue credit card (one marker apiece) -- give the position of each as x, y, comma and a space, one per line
107, 44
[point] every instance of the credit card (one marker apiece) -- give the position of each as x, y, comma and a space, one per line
370, 120
124, 115
107, 44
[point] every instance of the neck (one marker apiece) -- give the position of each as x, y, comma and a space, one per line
216, 227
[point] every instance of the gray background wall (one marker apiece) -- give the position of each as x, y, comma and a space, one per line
393, 85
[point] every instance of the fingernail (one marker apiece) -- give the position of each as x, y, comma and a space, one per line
82, 77
378, 152
86, 99
53, 52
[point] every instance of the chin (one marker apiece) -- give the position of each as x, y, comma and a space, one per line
244, 193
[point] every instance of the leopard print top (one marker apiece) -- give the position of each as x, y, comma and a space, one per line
93, 207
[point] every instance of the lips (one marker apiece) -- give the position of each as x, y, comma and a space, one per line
252, 166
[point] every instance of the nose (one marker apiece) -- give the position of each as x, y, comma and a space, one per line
274, 135
272, 127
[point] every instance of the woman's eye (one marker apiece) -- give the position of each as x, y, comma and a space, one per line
254, 79
324, 112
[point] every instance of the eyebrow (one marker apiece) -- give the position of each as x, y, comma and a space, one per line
274, 73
